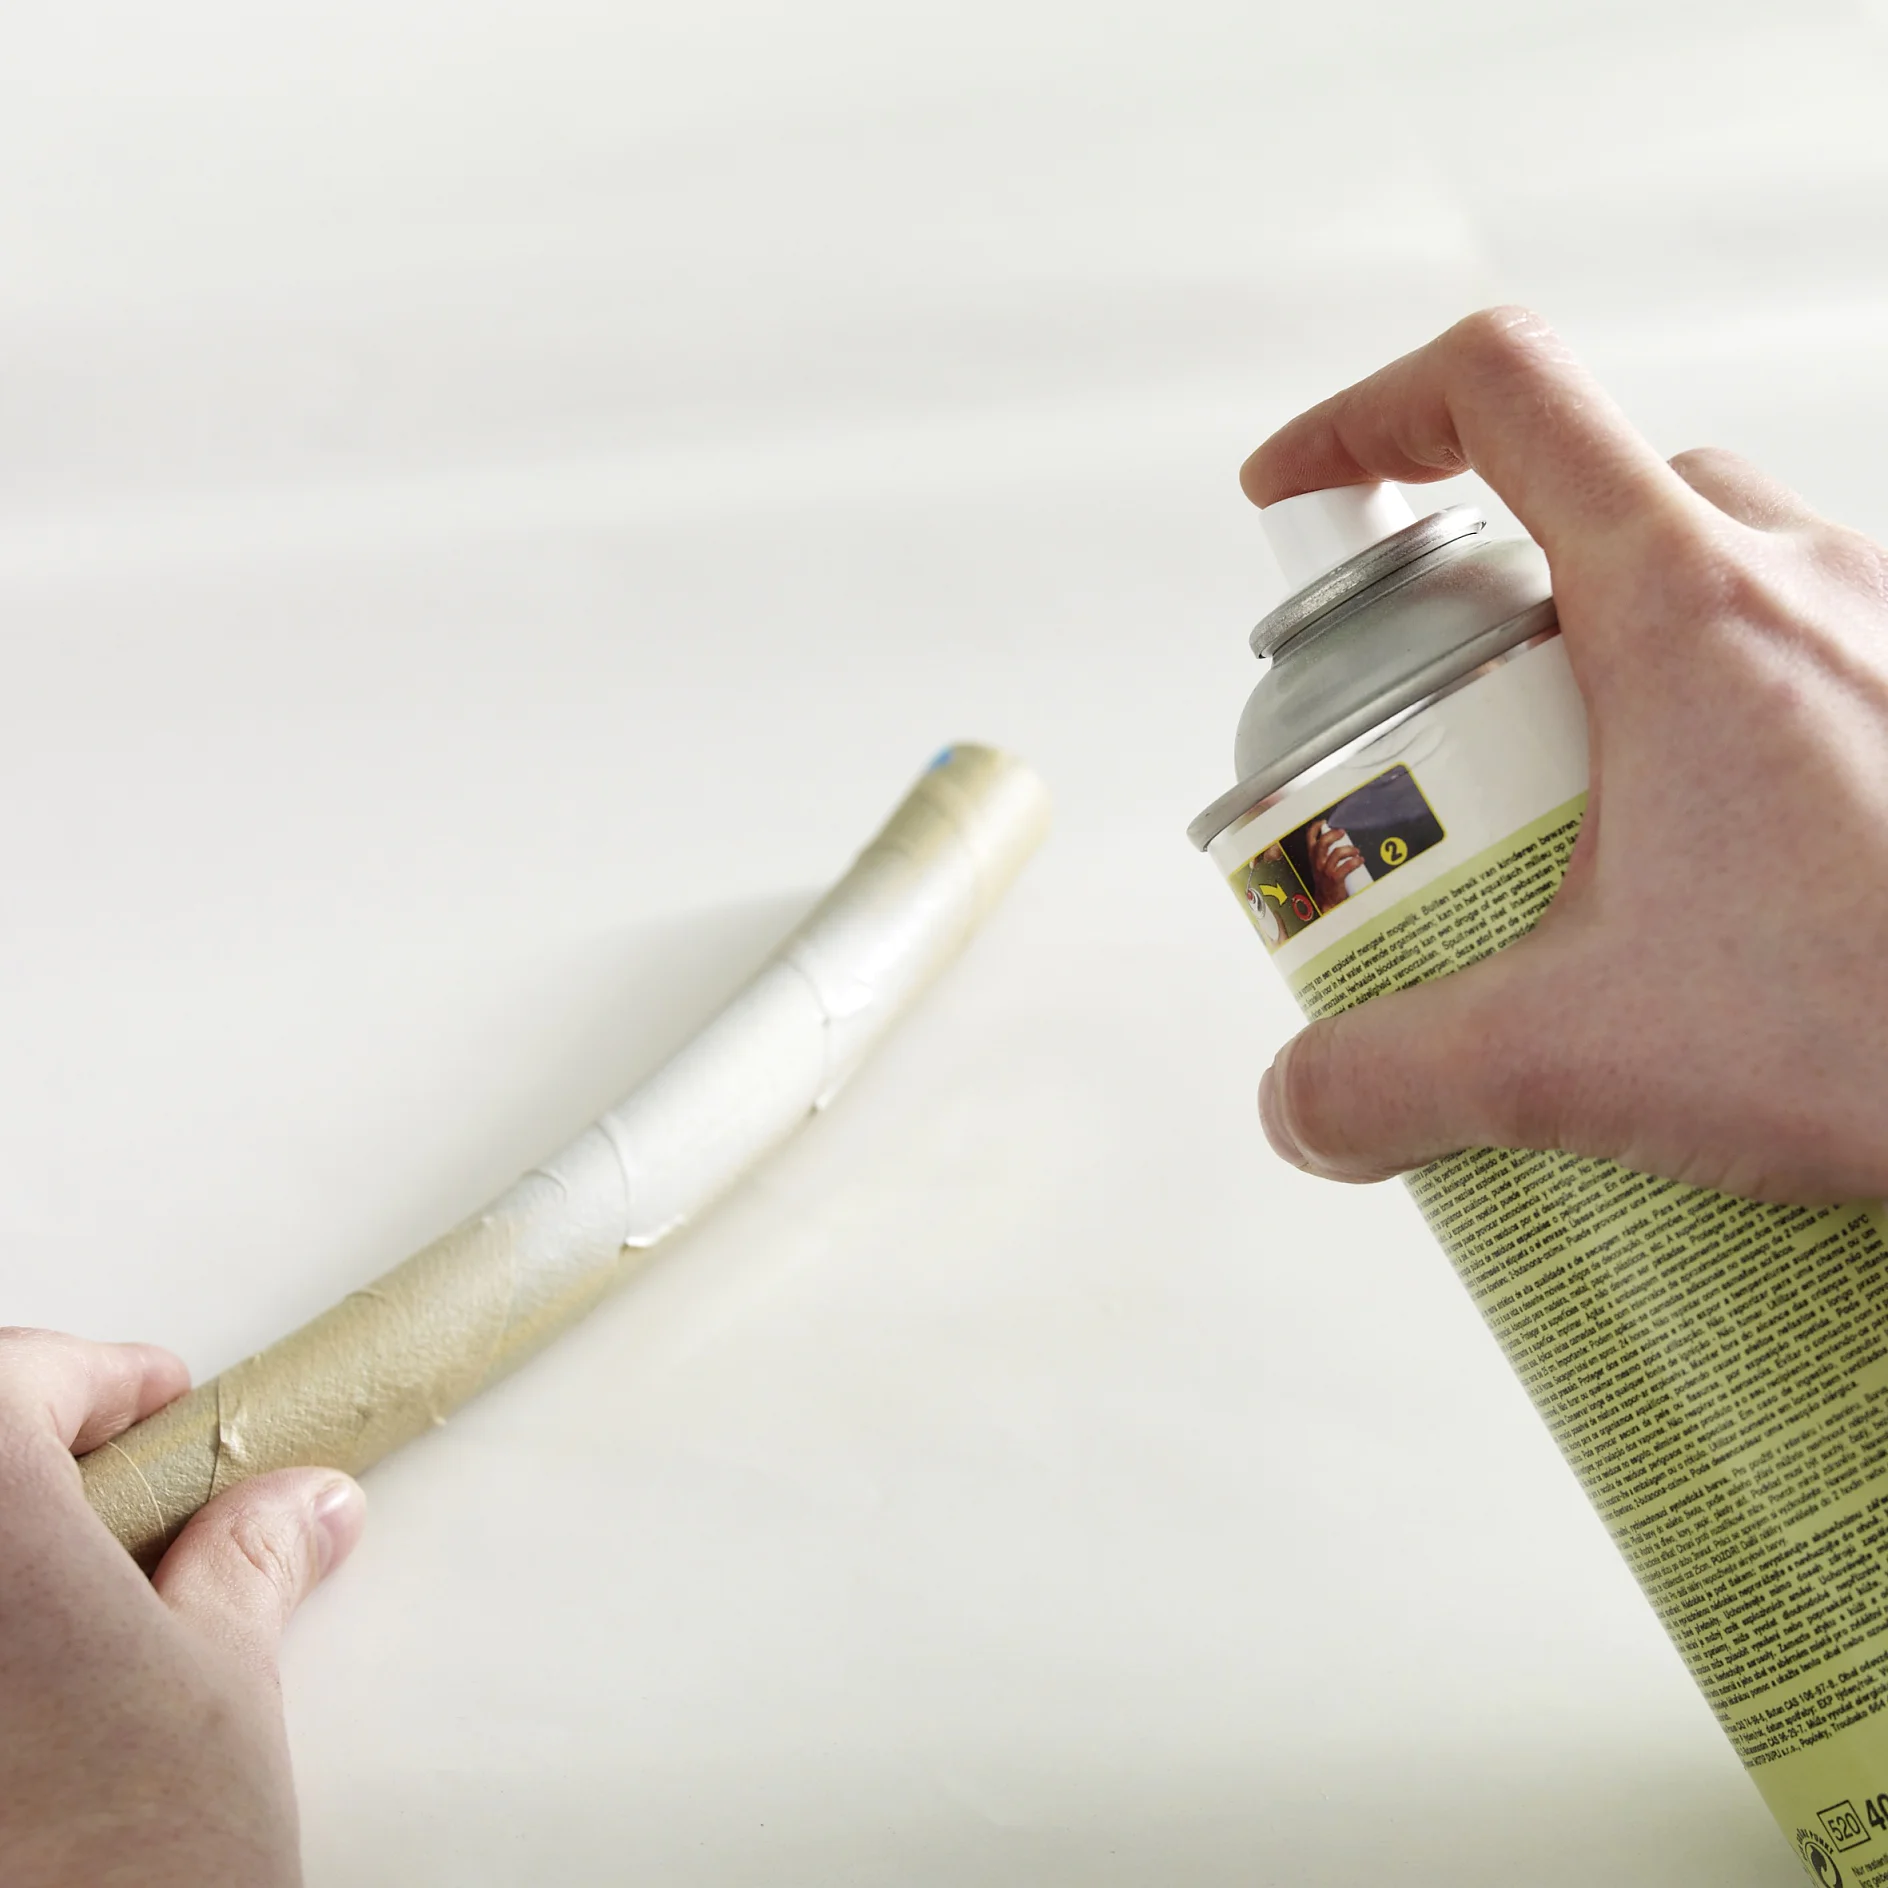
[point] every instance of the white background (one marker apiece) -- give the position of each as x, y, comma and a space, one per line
495, 503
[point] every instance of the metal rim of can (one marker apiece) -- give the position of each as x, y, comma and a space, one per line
1502, 643
1348, 582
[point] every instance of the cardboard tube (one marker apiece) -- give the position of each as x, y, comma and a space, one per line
400, 1355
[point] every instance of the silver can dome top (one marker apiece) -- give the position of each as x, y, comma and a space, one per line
1404, 614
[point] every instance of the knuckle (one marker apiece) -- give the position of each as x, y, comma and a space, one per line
1530, 1091
32, 1464
1529, 1104
1695, 561
1345, 1099
1508, 341
275, 1558
1706, 460
1313, 1077
1797, 597
1853, 560
1708, 572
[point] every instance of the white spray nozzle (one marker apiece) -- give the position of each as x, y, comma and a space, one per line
1317, 531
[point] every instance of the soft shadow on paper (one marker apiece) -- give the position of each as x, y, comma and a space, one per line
1565, 1819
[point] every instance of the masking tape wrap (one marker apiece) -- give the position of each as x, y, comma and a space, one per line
400, 1355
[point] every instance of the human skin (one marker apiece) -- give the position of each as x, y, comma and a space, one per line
1707, 996
141, 1736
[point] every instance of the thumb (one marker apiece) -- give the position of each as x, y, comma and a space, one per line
1466, 1061
245, 1562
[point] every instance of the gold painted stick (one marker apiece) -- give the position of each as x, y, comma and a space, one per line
400, 1355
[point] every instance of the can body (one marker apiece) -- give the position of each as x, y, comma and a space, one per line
1714, 1370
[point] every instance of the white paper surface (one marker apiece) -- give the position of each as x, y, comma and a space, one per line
491, 502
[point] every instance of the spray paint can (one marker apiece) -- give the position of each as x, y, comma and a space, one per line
1412, 774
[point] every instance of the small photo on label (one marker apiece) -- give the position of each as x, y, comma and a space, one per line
1344, 850
1275, 896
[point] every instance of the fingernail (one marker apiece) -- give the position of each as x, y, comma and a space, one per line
1272, 1115
339, 1510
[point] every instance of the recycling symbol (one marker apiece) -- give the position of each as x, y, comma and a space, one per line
1820, 1863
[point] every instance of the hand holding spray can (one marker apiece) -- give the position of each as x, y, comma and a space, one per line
1413, 774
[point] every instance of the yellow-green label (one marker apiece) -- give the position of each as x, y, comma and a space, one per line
1716, 1372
